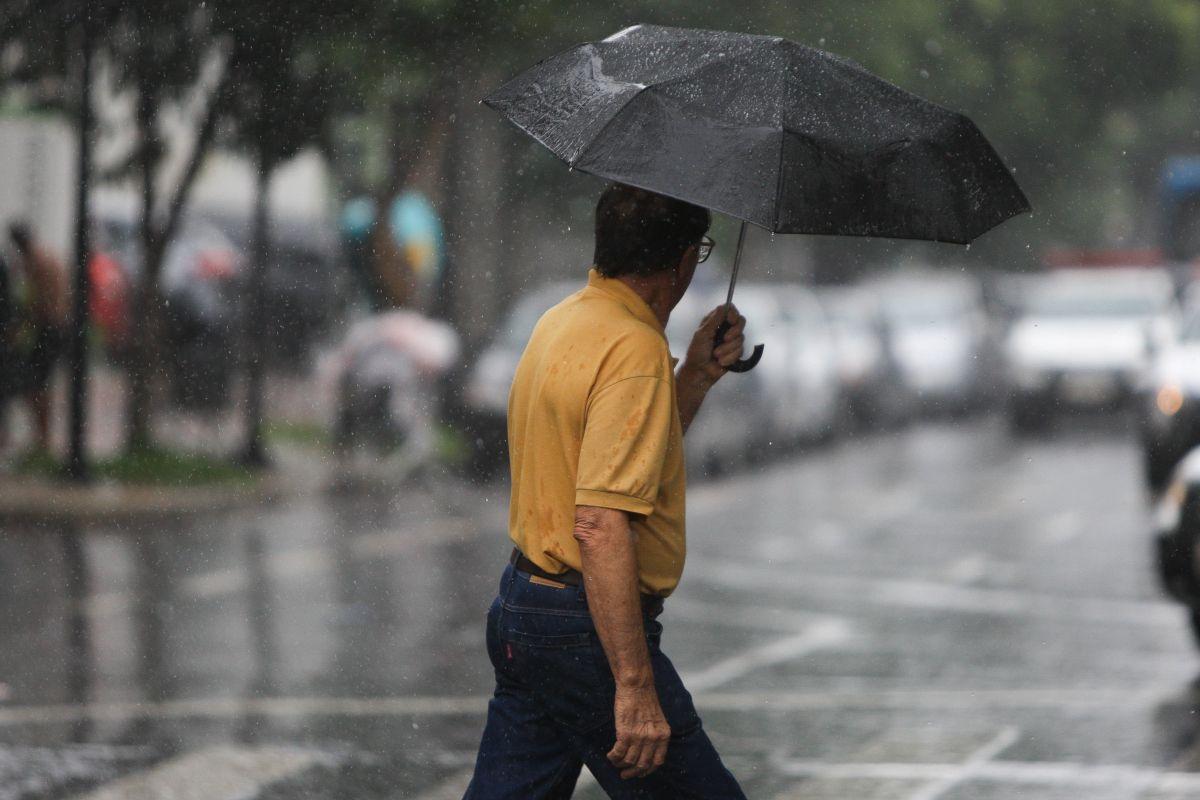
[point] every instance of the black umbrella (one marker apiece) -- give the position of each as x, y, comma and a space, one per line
789, 138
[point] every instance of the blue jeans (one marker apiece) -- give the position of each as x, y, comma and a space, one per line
552, 711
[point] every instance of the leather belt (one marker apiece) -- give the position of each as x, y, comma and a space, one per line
651, 604
571, 577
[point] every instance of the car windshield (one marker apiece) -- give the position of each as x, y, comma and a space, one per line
926, 308
1094, 301
1191, 327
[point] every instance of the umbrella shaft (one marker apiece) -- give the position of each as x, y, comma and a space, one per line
737, 261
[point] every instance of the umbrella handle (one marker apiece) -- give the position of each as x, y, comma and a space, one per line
743, 364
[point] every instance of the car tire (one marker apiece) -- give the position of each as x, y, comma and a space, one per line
1194, 624
1157, 466
1026, 418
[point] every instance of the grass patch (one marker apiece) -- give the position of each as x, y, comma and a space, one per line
307, 434
149, 467
453, 448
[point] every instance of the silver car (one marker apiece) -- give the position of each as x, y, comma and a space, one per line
1083, 339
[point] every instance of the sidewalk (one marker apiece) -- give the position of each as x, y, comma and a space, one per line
301, 400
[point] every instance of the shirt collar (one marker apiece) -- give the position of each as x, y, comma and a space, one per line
626, 296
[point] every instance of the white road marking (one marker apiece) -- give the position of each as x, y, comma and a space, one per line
468, 705
1062, 527
967, 770
215, 773
1130, 778
816, 637
451, 788
938, 596
968, 570
780, 619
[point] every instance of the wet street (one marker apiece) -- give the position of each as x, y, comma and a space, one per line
942, 612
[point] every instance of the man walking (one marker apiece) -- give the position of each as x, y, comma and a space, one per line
47, 315
596, 419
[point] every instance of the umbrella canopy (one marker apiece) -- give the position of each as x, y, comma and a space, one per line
784, 136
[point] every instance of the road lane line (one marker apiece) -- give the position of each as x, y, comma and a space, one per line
816, 637
778, 619
938, 596
1050, 774
968, 570
215, 773
451, 788
1085, 700
967, 770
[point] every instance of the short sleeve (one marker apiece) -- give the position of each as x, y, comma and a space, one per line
627, 430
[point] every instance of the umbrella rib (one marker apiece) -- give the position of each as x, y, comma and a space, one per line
571, 162
779, 178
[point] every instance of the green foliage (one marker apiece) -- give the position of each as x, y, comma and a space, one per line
1080, 97
152, 466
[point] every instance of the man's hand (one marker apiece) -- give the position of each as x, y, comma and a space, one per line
703, 365
642, 732
707, 363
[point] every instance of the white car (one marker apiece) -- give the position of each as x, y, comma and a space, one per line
792, 396
728, 426
1168, 402
1083, 338
486, 392
940, 339
815, 408
872, 388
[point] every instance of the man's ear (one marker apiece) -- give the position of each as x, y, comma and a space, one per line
683, 259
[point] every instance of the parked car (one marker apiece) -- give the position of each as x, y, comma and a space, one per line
486, 391
791, 397
1168, 403
727, 427
1176, 535
872, 388
1083, 339
817, 406
941, 340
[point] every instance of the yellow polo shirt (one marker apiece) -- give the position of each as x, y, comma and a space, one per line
592, 420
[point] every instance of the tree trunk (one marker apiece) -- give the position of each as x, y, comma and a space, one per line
77, 466
145, 319
253, 453
143, 314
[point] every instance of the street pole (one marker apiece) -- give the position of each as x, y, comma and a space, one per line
77, 466
253, 452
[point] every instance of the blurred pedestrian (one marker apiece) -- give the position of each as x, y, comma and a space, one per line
46, 315
596, 419
8, 351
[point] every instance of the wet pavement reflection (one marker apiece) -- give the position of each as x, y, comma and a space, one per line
939, 612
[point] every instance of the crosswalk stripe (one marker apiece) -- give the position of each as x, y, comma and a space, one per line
215, 773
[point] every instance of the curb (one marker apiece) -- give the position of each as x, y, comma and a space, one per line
42, 502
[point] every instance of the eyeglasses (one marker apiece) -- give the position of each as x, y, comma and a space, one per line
706, 247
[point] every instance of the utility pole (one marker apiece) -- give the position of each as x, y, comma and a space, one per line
77, 466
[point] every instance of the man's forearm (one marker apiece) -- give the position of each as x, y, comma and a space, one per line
691, 387
609, 564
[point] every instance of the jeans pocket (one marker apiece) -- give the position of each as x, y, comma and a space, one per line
492, 635
554, 658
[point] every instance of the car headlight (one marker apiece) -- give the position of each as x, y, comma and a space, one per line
1169, 399
1170, 507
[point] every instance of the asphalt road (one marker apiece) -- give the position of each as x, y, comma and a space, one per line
933, 614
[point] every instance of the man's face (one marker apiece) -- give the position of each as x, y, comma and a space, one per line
684, 272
